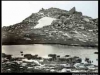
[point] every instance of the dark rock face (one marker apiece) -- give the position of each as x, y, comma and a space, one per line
69, 29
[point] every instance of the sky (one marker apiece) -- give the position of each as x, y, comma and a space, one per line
15, 11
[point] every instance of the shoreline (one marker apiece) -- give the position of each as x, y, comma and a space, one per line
84, 46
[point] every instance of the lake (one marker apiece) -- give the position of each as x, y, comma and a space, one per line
45, 49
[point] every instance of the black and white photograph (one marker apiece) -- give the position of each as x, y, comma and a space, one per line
49, 37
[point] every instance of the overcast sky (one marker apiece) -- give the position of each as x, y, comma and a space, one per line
15, 11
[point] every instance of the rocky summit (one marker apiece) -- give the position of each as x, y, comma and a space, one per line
53, 26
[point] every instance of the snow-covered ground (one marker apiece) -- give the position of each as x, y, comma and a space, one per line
45, 21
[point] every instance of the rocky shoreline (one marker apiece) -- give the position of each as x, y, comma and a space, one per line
52, 64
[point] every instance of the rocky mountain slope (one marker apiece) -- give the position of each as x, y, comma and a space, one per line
64, 27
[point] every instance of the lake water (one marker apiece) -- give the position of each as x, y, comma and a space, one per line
45, 49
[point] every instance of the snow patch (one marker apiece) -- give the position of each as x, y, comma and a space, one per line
45, 21
67, 35
26, 38
46, 57
34, 61
84, 35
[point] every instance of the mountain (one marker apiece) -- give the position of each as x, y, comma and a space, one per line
53, 26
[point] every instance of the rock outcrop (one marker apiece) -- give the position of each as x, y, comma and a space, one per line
72, 11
